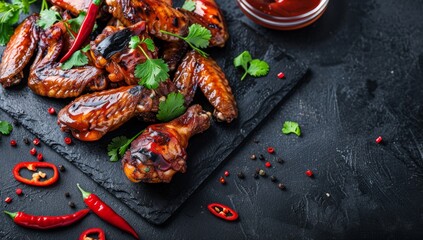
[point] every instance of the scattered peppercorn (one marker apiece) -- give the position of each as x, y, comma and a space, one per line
253, 157
273, 178
379, 139
268, 164
270, 150
71, 204
262, 173
222, 180
68, 140
16, 123
33, 151
281, 75
241, 175
36, 141
8, 200
26, 141
261, 157
257, 170
13, 143
309, 173
18, 191
226, 173
51, 111
61, 168
40, 157
279, 160
67, 194
281, 186
255, 175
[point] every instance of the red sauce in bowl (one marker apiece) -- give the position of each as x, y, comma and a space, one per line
284, 8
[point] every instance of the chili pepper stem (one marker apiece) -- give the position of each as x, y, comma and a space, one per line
10, 214
85, 194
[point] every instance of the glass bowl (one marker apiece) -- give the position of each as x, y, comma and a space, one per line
282, 22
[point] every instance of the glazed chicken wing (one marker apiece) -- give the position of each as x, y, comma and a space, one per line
19, 51
158, 15
159, 152
196, 70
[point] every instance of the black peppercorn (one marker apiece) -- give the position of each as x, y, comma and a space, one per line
241, 175
26, 141
257, 170
281, 186
67, 194
255, 175
273, 178
71, 204
16, 123
62, 168
261, 157
279, 160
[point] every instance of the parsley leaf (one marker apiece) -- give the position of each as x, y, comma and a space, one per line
75, 23
291, 127
198, 37
254, 67
152, 72
189, 5
48, 18
118, 146
5, 128
172, 107
76, 60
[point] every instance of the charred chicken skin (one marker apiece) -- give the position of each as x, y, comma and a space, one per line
159, 152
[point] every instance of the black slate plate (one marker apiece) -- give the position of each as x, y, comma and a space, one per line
256, 98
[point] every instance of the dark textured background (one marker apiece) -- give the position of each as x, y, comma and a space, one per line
366, 59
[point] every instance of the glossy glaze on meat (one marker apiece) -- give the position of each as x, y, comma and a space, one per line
160, 151
158, 15
75, 6
204, 73
173, 52
19, 51
207, 13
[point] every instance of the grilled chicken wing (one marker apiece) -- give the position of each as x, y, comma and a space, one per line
159, 152
173, 52
196, 70
158, 15
19, 51
207, 13
48, 79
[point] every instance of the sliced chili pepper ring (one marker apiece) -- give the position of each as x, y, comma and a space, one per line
223, 212
98, 231
32, 166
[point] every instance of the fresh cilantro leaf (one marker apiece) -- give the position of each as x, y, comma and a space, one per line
258, 68
9, 15
86, 48
189, 5
150, 44
23, 5
6, 31
198, 36
76, 60
118, 146
242, 60
291, 127
48, 18
5, 128
172, 107
134, 42
75, 23
152, 72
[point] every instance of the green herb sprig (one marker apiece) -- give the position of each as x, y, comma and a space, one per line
253, 67
118, 146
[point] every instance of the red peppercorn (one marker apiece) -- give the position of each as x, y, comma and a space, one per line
68, 140
51, 111
40, 157
281, 75
18, 191
268, 164
33, 151
379, 139
309, 173
270, 150
226, 173
13, 143
36, 141
8, 200
222, 180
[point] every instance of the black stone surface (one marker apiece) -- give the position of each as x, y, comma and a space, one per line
156, 202
366, 59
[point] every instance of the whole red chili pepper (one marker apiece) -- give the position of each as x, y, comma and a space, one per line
105, 212
98, 231
46, 222
32, 166
222, 211
86, 28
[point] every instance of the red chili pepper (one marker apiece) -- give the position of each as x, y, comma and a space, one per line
86, 28
51, 111
98, 231
68, 140
223, 212
32, 166
105, 212
46, 222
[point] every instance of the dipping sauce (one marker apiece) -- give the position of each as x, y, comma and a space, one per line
285, 8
